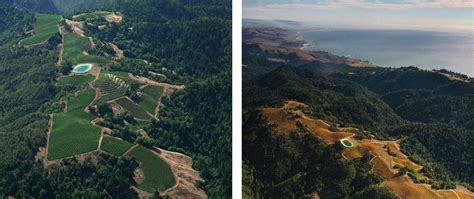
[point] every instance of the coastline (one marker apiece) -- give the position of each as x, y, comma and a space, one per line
305, 44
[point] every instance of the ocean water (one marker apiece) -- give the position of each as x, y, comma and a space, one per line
396, 48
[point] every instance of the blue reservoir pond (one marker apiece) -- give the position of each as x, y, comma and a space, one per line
82, 68
346, 143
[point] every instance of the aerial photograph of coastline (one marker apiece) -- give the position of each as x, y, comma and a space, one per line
358, 99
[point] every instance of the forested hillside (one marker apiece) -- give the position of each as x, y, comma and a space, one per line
192, 39
12, 30
34, 5
428, 112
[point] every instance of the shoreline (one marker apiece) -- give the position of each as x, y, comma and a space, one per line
309, 46
305, 44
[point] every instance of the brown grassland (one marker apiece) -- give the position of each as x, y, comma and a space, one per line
404, 187
321, 130
464, 193
448, 194
284, 121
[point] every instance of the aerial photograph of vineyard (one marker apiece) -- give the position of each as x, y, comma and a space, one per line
104, 99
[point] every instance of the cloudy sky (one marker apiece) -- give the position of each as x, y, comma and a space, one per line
417, 14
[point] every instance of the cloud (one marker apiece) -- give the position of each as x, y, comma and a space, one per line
369, 4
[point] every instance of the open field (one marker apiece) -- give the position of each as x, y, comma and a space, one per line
404, 187
285, 122
447, 194
149, 99
74, 46
44, 27
158, 174
72, 132
463, 193
355, 152
321, 129
114, 145
76, 80
382, 168
111, 87
133, 108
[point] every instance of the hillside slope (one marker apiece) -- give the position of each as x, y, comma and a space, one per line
422, 109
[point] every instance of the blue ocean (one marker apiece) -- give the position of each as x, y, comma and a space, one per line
426, 49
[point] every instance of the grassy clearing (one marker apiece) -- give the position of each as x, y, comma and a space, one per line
76, 80
114, 145
150, 97
133, 108
44, 27
72, 132
158, 174
74, 45
110, 88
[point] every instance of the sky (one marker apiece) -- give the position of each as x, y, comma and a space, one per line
415, 14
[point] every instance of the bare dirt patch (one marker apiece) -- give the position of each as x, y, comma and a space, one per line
61, 45
138, 176
118, 52
77, 26
116, 109
186, 176
141, 193
145, 80
114, 17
